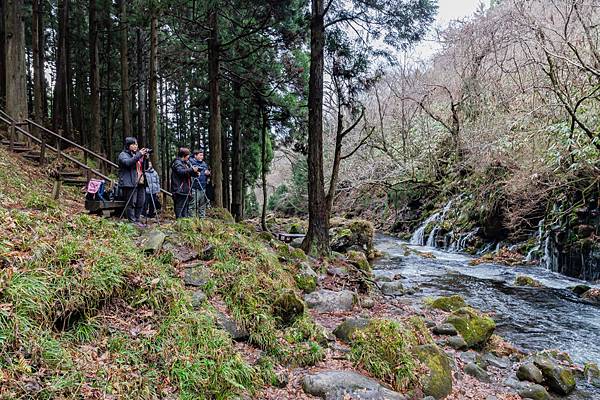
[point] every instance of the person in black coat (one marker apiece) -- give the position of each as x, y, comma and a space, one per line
131, 178
181, 182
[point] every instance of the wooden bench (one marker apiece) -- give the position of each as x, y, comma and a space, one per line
288, 237
106, 208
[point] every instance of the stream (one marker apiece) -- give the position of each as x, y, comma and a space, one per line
531, 318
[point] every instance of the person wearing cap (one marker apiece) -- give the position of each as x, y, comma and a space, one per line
131, 179
199, 200
182, 173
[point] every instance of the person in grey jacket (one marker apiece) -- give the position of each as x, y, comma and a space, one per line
131, 178
152, 190
182, 174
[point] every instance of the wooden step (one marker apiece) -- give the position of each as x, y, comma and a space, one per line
16, 144
75, 182
71, 174
21, 149
32, 156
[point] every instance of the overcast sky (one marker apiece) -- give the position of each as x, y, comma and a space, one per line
448, 11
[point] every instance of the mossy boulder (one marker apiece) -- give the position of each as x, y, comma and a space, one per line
359, 259
475, 328
285, 252
346, 329
355, 234
287, 308
448, 303
591, 372
220, 214
529, 372
534, 391
524, 280
437, 381
306, 278
559, 379
384, 347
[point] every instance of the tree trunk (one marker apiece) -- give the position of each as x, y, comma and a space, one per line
2, 56
141, 91
37, 38
95, 138
263, 168
214, 124
16, 83
125, 98
61, 113
236, 156
225, 166
316, 241
153, 129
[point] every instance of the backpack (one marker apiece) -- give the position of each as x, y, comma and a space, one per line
95, 190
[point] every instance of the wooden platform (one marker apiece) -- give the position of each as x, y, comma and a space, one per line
106, 208
288, 237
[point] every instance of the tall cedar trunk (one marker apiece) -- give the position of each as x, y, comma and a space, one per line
125, 98
2, 56
16, 79
153, 130
214, 124
236, 155
141, 134
317, 238
61, 113
263, 167
108, 28
337, 159
225, 166
37, 35
95, 138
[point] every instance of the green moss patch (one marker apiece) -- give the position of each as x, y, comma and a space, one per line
449, 303
475, 328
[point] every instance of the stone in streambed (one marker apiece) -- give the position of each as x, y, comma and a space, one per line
329, 301
529, 372
359, 260
448, 303
340, 385
488, 359
445, 329
346, 329
457, 343
438, 381
534, 391
477, 372
475, 328
524, 280
559, 379
392, 288
579, 289
591, 372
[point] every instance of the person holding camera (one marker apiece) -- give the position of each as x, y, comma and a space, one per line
131, 179
199, 200
182, 173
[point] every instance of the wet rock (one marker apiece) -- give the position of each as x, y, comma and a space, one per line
592, 295
488, 359
197, 276
559, 379
392, 288
329, 301
475, 328
382, 276
445, 329
524, 280
346, 329
437, 382
477, 372
448, 303
529, 372
591, 373
288, 307
339, 385
306, 278
579, 289
359, 260
534, 391
229, 325
198, 298
367, 302
457, 343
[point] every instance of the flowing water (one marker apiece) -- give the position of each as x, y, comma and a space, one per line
531, 318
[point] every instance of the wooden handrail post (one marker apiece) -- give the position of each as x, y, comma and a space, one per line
42, 149
59, 144
11, 134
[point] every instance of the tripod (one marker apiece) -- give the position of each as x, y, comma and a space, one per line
135, 189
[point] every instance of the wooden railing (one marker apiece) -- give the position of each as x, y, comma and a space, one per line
15, 127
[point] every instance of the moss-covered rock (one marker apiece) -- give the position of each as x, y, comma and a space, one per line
524, 280
448, 303
475, 328
591, 372
288, 308
355, 234
346, 329
383, 348
437, 381
306, 278
559, 379
220, 214
358, 259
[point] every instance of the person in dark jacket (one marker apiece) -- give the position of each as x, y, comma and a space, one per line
131, 178
182, 174
199, 201
152, 190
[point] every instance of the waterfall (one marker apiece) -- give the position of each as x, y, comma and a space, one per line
418, 237
538, 242
551, 256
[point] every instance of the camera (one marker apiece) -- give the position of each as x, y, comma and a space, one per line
149, 151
